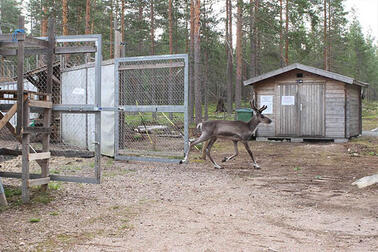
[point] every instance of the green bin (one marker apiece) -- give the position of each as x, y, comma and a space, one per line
244, 114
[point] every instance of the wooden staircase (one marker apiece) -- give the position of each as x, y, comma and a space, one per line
29, 154
41, 103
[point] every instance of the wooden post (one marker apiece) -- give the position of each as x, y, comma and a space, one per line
47, 111
20, 76
25, 156
3, 199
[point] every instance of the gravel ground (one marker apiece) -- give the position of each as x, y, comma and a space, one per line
301, 200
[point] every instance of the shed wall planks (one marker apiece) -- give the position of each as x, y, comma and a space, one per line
334, 109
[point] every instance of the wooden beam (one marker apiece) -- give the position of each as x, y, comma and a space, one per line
30, 41
39, 156
9, 125
40, 104
27, 51
8, 52
8, 116
38, 181
31, 130
152, 66
11, 37
75, 49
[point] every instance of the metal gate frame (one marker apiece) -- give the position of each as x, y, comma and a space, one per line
150, 108
80, 108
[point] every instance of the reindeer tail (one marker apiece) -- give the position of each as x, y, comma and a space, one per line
199, 126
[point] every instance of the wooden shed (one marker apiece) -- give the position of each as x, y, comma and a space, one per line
308, 103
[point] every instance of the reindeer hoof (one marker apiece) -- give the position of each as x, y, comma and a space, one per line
224, 159
218, 167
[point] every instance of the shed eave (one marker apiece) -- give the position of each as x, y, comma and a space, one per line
309, 69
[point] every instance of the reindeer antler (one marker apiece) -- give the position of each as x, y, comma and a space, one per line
253, 104
263, 108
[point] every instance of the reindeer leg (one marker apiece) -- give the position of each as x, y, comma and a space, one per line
208, 149
225, 159
255, 165
201, 139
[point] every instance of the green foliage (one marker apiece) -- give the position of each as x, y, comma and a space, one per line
12, 191
352, 53
34, 220
9, 12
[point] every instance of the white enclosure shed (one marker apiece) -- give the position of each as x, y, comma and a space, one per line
78, 88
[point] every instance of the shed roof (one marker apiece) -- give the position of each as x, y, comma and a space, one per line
310, 69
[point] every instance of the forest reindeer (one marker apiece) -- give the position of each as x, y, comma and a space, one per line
233, 130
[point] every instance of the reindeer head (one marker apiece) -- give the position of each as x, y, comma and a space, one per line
258, 113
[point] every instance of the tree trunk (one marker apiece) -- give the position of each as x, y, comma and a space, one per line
64, 17
191, 63
229, 56
140, 19
44, 21
152, 17
206, 67
197, 61
111, 30
252, 39
92, 22
170, 26
329, 35
281, 36
87, 16
287, 34
122, 21
170, 30
187, 13
239, 54
325, 48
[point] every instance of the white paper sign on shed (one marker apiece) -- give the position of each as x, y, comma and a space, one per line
288, 100
268, 101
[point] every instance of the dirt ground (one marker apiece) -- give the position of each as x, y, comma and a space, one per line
301, 200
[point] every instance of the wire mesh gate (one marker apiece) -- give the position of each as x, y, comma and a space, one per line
152, 99
76, 114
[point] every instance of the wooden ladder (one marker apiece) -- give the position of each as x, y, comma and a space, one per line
29, 154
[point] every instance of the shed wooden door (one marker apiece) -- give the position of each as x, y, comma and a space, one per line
288, 123
311, 109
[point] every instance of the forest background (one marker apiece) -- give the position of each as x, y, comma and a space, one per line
227, 41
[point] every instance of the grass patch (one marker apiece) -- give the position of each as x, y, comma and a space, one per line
109, 162
369, 115
65, 241
54, 185
12, 191
34, 220
42, 197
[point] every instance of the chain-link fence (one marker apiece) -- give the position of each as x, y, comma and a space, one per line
152, 121
73, 138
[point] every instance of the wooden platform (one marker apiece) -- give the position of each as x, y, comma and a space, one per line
301, 140
11, 95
